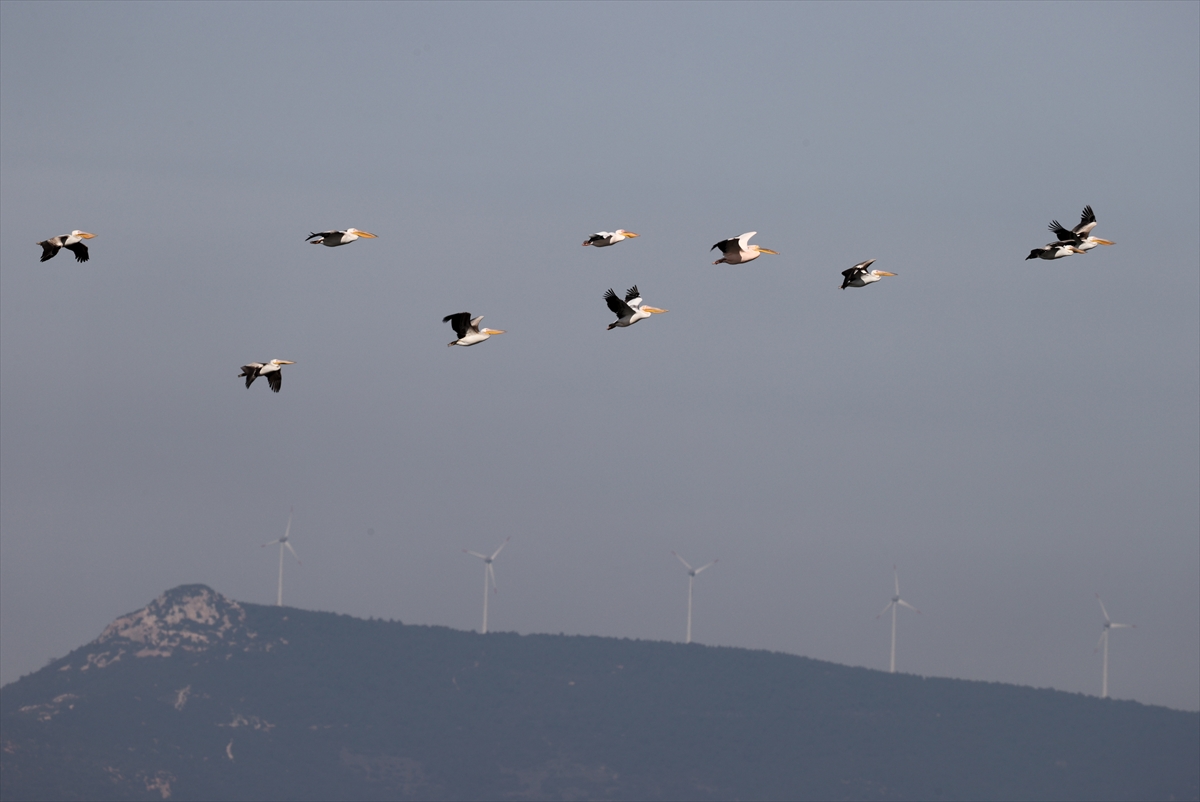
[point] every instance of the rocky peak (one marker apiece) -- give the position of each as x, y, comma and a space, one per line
189, 618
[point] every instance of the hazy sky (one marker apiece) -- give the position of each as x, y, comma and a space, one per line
1014, 435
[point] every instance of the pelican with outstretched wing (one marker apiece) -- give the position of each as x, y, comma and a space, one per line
467, 329
861, 275
602, 239
738, 251
73, 242
332, 239
631, 310
1080, 235
271, 370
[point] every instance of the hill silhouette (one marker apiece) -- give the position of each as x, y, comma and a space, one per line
200, 697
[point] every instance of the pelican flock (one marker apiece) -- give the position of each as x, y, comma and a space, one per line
738, 250
631, 310
1070, 241
860, 276
332, 239
467, 329
602, 239
271, 370
73, 242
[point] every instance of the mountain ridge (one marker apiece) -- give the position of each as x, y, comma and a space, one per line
199, 696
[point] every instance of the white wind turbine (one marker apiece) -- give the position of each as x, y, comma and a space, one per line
691, 578
489, 575
1108, 624
895, 603
283, 544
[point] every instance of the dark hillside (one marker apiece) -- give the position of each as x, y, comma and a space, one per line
198, 697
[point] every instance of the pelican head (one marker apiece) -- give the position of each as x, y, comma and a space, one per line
358, 233
282, 362
1099, 241
85, 235
492, 331
881, 273
627, 234
654, 310
757, 249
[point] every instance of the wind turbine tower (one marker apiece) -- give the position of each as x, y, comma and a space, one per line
283, 543
691, 578
1109, 624
489, 576
895, 603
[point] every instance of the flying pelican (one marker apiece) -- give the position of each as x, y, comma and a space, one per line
1054, 250
335, 238
467, 329
860, 276
1078, 236
602, 239
737, 251
72, 242
630, 310
269, 369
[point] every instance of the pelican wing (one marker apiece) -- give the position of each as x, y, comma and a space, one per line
858, 270
1064, 234
618, 307
726, 246
49, 249
1087, 221
79, 249
250, 372
744, 240
600, 238
459, 321
275, 379
632, 295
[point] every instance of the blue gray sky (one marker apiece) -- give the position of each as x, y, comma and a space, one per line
1014, 435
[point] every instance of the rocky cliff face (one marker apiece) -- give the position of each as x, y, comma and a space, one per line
189, 618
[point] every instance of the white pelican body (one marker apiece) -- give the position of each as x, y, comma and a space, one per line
1079, 236
630, 310
73, 242
271, 370
467, 329
602, 239
1054, 250
739, 251
333, 239
861, 276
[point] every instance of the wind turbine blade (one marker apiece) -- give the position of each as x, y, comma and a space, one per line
897, 578
272, 543
288, 531
1106, 618
1100, 642
884, 610
475, 554
685, 562
1113, 625
502, 545
293, 551
701, 568
906, 604
492, 576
